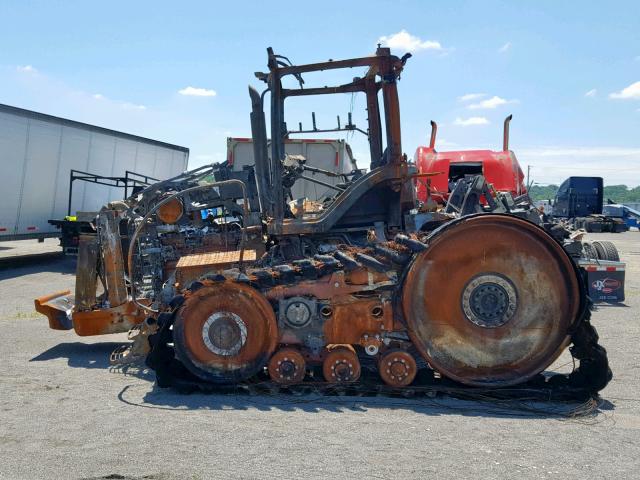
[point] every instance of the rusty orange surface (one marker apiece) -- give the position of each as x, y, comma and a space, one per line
250, 306
54, 306
548, 300
109, 320
341, 365
397, 368
193, 267
353, 318
57, 306
291, 358
324, 288
171, 211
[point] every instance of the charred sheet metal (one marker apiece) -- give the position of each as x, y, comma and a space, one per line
113, 261
86, 272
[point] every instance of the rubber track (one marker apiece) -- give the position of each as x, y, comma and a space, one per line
591, 376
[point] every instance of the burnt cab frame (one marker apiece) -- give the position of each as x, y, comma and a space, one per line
381, 194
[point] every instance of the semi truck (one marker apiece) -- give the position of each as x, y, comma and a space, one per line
39, 152
580, 201
442, 170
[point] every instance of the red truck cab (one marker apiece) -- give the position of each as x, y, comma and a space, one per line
500, 168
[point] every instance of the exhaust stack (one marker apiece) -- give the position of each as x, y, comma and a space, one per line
434, 131
505, 138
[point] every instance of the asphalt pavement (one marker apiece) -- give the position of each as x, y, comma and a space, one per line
64, 413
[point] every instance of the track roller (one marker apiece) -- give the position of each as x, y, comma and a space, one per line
341, 365
397, 368
287, 367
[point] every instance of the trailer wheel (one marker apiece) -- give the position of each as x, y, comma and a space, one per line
606, 250
589, 251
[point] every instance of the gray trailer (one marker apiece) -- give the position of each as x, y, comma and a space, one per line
333, 156
37, 154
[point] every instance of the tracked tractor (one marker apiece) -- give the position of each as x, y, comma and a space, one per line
230, 281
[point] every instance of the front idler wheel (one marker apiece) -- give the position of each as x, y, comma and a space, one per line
225, 332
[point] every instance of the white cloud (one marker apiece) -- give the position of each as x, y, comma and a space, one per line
471, 96
630, 92
466, 122
582, 152
591, 93
444, 143
490, 103
124, 105
403, 40
26, 69
132, 106
553, 164
504, 47
197, 92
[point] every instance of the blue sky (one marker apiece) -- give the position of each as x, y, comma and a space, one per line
568, 71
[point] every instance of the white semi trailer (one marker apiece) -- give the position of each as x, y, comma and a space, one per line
37, 154
334, 156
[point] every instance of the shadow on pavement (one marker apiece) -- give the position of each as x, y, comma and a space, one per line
164, 399
611, 305
54, 263
96, 356
80, 355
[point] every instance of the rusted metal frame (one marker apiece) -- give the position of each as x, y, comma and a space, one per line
278, 131
331, 65
375, 126
334, 285
383, 64
392, 115
347, 88
143, 223
117, 319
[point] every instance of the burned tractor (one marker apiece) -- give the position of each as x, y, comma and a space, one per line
335, 292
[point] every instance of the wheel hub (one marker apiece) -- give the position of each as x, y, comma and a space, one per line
397, 368
224, 333
287, 367
489, 300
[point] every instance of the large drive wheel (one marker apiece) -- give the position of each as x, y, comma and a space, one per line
225, 332
491, 301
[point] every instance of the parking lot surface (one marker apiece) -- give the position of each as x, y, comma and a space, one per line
64, 413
